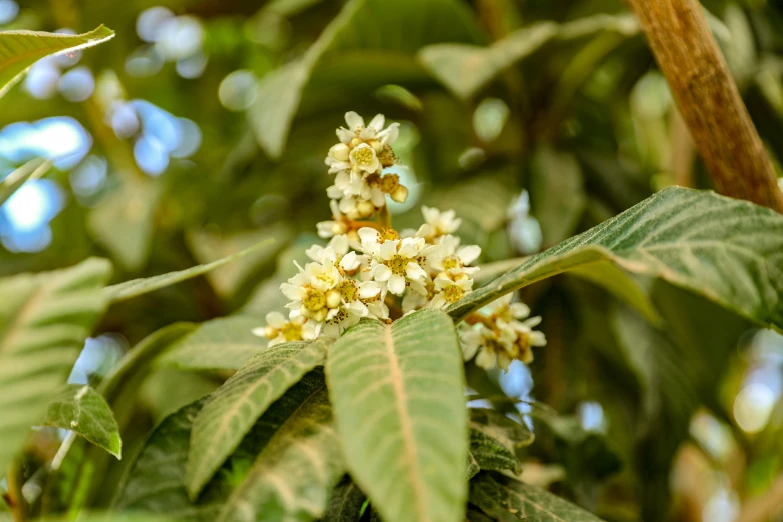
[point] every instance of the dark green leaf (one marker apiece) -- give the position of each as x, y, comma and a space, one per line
345, 504
494, 438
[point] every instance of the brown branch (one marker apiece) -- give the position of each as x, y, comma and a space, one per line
709, 100
766, 505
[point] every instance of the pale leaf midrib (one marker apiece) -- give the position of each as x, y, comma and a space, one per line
405, 426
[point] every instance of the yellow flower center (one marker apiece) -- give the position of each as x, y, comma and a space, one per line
397, 264
453, 293
327, 278
389, 234
348, 290
292, 332
451, 262
363, 156
314, 300
340, 316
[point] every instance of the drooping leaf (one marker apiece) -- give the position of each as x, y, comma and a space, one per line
82, 410
226, 343
397, 397
493, 439
346, 502
727, 250
466, 69
21, 49
295, 472
508, 500
44, 319
375, 49
137, 287
124, 221
233, 409
33, 169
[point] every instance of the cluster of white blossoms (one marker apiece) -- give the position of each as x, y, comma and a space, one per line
368, 269
357, 162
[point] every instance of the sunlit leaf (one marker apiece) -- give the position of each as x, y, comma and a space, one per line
226, 343
233, 409
727, 250
509, 500
82, 410
44, 320
137, 287
31, 170
296, 471
396, 390
21, 49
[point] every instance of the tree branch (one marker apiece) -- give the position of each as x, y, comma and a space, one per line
709, 100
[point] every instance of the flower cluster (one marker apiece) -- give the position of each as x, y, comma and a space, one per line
500, 333
368, 269
357, 162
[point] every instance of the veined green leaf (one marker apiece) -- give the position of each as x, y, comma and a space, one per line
508, 500
82, 410
295, 472
493, 439
220, 344
356, 29
21, 49
44, 319
31, 170
155, 482
233, 409
345, 504
397, 392
466, 69
725, 249
137, 287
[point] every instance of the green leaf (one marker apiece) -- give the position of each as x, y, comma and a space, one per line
346, 502
294, 474
44, 319
494, 439
377, 50
727, 250
33, 169
220, 344
234, 407
155, 482
508, 500
466, 69
124, 221
21, 49
82, 410
97, 516
137, 287
397, 392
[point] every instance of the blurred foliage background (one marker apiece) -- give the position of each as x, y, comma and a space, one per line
202, 127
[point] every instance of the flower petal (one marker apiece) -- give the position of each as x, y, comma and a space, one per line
396, 284
354, 121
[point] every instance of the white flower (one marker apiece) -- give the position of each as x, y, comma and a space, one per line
279, 330
452, 258
394, 262
373, 131
308, 290
364, 159
337, 226
437, 223
449, 291
500, 336
338, 158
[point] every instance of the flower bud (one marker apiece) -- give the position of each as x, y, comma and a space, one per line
305, 312
339, 228
320, 315
333, 299
400, 194
356, 141
340, 152
270, 332
365, 208
377, 145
